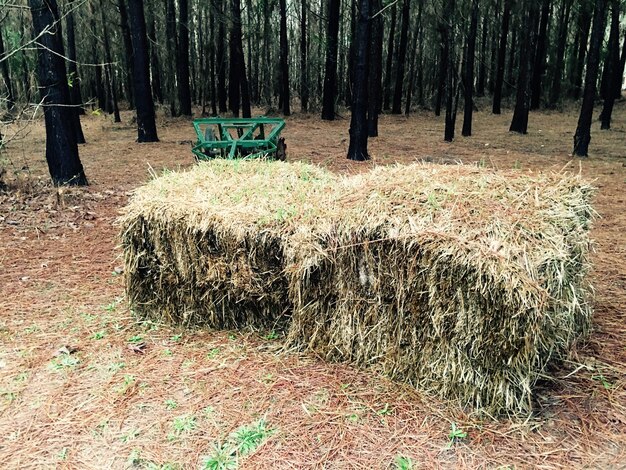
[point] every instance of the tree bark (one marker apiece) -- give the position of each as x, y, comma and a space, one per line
74, 78
413, 61
304, 73
582, 137
146, 126
4, 70
284, 59
450, 71
374, 91
612, 64
239, 90
583, 26
358, 123
404, 36
497, 88
330, 76
128, 52
555, 92
110, 76
389, 63
155, 66
221, 59
482, 68
61, 147
469, 72
539, 65
182, 59
519, 123
172, 52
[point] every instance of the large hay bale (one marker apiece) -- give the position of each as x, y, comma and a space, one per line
461, 281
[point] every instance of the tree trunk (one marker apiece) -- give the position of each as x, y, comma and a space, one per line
172, 52
611, 65
74, 79
61, 148
146, 126
351, 55
182, 59
222, 61
4, 70
108, 68
584, 25
95, 32
330, 76
450, 71
374, 85
497, 88
155, 67
389, 63
444, 58
404, 36
304, 73
582, 138
482, 67
519, 123
128, 52
619, 73
358, 123
212, 68
284, 59
539, 65
555, 92
413, 61
469, 72
239, 89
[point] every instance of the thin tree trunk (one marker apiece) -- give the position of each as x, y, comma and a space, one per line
128, 52
555, 92
182, 59
239, 89
497, 89
404, 36
619, 73
413, 60
172, 49
4, 70
155, 67
357, 149
75, 79
519, 123
469, 72
375, 69
582, 137
108, 68
539, 66
284, 59
61, 148
222, 61
450, 71
482, 67
584, 26
146, 126
304, 73
389, 63
330, 76
212, 59
611, 65
95, 32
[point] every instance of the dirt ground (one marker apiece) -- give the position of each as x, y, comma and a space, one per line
84, 385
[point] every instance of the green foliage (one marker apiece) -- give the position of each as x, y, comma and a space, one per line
456, 434
403, 463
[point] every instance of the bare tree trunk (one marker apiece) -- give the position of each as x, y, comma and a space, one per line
61, 148
182, 59
582, 137
146, 125
539, 66
497, 89
389, 63
612, 63
450, 71
110, 76
304, 73
330, 77
375, 69
357, 149
284, 59
555, 93
469, 72
404, 36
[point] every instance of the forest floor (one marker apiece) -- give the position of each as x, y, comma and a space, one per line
84, 385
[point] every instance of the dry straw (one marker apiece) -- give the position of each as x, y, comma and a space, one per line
461, 281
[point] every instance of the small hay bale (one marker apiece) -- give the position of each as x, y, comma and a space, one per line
461, 281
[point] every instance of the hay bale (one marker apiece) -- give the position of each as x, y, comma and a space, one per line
461, 281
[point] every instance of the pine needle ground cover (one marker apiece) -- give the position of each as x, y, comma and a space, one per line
464, 282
